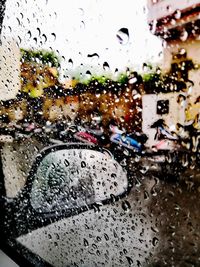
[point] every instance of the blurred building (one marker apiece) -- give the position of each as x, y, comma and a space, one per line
177, 24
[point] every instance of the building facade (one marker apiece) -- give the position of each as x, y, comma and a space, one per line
178, 26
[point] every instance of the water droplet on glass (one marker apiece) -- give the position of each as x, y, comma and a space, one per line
130, 261
82, 25
155, 241
185, 160
94, 55
184, 35
49, 236
123, 36
88, 74
126, 206
169, 8
66, 162
113, 175
85, 242
35, 40
53, 35
56, 244
19, 39
106, 237
70, 63
18, 20
39, 31
81, 11
146, 195
177, 14
144, 169
106, 66
83, 164
44, 38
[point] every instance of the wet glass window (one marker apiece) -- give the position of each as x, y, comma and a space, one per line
100, 133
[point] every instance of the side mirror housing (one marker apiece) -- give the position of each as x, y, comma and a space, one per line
72, 176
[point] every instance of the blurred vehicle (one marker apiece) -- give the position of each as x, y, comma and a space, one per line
134, 141
166, 140
175, 153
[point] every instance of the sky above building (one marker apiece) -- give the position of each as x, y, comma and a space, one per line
79, 29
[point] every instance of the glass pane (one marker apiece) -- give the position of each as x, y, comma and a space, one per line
100, 132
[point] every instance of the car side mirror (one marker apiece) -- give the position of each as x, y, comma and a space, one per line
73, 176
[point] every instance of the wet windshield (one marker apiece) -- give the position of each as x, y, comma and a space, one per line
100, 132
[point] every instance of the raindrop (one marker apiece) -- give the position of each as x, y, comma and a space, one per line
185, 160
130, 261
113, 175
98, 239
85, 242
106, 237
182, 51
81, 11
35, 39
82, 25
94, 55
18, 21
54, 35
146, 195
126, 206
88, 73
49, 236
39, 31
144, 169
44, 37
169, 158
184, 35
155, 241
55, 15
83, 164
177, 14
123, 36
20, 40
106, 66
57, 236
169, 8
137, 182
66, 162
70, 63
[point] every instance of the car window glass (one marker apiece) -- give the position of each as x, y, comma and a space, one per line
100, 132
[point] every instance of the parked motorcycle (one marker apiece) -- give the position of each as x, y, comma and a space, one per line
131, 143
173, 151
